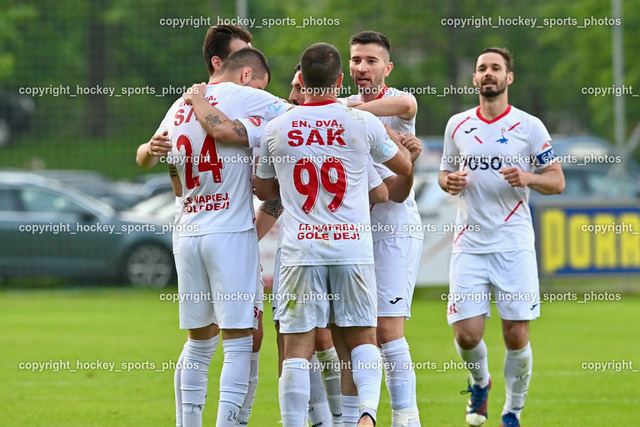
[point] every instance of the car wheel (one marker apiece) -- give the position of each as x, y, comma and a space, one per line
149, 264
5, 133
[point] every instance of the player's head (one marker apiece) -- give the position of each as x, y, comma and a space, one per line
296, 96
370, 61
493, 71
321, 69
247, 67
220, 42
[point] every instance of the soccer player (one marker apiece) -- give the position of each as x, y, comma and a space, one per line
488, 159
397, 250
216, 201
319, 153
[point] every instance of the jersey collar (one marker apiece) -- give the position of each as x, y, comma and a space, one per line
494, 120
384, 90
315, 104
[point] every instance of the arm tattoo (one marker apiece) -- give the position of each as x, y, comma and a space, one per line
212, 120
173, 171
272, 207
239, 128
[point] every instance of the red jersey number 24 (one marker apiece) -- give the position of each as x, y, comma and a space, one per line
207, 160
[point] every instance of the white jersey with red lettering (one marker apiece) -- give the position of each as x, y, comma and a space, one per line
319, 154
216, 186
493, 216
391, 219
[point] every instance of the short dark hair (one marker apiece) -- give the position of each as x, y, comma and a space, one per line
320, 66
297, 67
367, 37
502, 51
218, 39
248, 57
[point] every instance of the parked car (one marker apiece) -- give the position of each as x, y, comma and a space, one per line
50, 229
16, 113
120, 195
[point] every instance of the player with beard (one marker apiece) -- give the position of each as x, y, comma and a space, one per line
488, 159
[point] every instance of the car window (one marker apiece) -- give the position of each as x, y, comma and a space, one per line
35, 200
8, 202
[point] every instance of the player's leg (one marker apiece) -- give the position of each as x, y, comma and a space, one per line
349, 393
299, 316
469, 304
518, 302
319, 414
397, 262
258, 334
355, 311
234, 294
328, 358
196, 315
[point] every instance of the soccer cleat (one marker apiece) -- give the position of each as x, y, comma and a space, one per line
510, 420
477, 405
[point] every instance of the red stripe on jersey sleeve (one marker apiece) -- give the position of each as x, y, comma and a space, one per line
456, 129
511, 128
478, 139
513, 211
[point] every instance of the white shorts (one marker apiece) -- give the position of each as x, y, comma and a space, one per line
274, 287
314, 296
218, 275
509, 280
397, 262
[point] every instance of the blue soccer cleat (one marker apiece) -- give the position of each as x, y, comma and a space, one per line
477, 405
510, 420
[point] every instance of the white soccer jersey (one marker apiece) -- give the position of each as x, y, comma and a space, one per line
319, 154
493, 216
216, 178
390, 219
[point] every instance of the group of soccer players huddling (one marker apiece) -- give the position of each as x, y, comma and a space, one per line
339, 172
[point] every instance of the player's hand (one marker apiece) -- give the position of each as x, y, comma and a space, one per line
198, 89
411, 143
159, 145
456, 182
353, 102
515, 177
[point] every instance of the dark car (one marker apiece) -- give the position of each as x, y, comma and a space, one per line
16, 113
49, 229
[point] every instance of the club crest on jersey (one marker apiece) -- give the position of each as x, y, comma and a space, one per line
502, 140
256, 121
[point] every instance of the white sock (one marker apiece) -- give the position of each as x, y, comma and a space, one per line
234, 379
245, 410
193, 378
397, 363
293, 391
414, 414
331, 378
319, 414
517, 375
350, 410
367, 376
476, 362
176, 385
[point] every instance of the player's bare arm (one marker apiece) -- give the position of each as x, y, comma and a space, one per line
267, 189
403, 106
267, 215
549, 181
176, 184
215, 122
400, 163
452, 182
379, 194
149, 154
400, 186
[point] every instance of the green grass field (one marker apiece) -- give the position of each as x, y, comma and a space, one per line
136, 328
